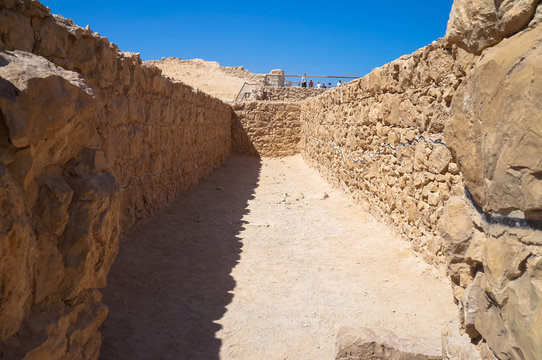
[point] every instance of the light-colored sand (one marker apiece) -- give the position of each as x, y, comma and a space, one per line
208, 76
256, 263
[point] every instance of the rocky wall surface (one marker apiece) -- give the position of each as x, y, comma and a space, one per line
91, 142
274, 93
447, 145
478, 24
381, 139
266, 128
495, 134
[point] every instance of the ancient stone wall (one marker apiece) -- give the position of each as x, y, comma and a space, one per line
91, 142
447, 146
381, 139
495, 134
266, 128
273, 93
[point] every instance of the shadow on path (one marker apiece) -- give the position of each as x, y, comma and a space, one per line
171, 280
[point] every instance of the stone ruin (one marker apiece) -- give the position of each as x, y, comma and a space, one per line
275, 78
445, 143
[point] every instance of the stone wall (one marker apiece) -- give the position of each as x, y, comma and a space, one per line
447, 145
91, 142
381, 139
273, 93
266, 128
495, 134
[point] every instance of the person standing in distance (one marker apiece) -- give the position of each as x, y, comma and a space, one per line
304, 81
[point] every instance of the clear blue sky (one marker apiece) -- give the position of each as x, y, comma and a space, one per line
317, 37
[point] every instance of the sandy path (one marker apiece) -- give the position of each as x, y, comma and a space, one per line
254, 263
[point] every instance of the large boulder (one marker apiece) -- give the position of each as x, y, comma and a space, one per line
478, 24
59, 213
36, 95
495, 132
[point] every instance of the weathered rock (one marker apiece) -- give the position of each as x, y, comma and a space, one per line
496, 132
456, 346
29, 84
17, 256
537, 19
476, 25
91, 141
456, 227
120, 141
439, 159
379, 344
267, 128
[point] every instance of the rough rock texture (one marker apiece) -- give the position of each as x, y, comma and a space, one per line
496, 271
271, 93
380, 139
372, 139
496, 136
266, 128
479, 24
496, 132
457, 346
91, 142
379, 344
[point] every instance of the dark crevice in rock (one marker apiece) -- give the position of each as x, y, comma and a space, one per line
475, 268
492, 302
512, 222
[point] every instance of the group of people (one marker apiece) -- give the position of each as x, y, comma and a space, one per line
323, 85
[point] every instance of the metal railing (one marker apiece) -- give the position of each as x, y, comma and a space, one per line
307, 77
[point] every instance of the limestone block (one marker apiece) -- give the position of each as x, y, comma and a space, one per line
37, 95
17, 250
476, 25
523, 312
439, 159
52, 40
495, 133
15, 30
95, 202
456, 227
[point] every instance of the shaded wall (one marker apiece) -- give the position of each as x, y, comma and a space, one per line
91, 142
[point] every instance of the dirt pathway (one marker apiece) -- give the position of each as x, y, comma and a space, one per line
265, 261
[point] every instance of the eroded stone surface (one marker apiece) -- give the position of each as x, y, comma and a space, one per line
122, 141
476, 25
267, 128
496, 132
91, 142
